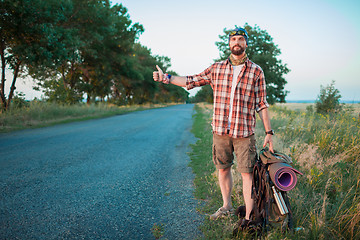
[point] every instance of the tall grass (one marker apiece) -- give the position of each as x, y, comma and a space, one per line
326, 148
326, 200
39, 114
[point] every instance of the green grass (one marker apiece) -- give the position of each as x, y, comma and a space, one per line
42, 114
205, 181
326, 200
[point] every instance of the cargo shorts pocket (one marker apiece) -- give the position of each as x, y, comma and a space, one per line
222, 152
252, 151
245, 150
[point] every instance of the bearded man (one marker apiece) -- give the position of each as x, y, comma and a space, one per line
239, 91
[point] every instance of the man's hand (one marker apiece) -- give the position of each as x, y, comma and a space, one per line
158, 75
268, 139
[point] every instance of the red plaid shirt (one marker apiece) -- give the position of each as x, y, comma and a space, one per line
250, 96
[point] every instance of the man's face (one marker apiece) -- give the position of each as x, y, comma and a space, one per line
237, 45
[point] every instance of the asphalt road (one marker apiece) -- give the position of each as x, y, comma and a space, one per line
111, 178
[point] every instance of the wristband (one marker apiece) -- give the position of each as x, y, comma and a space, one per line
271, 132
166, 78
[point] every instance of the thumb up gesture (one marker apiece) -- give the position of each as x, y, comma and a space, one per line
158, 75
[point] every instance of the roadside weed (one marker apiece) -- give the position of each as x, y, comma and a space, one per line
158, 230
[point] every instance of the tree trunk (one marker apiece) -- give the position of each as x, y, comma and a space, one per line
3, 67
88, 99
63, 76
12, 88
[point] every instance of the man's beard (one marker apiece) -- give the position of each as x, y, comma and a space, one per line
237, 52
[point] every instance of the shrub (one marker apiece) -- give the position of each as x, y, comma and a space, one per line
329, 99
19, 101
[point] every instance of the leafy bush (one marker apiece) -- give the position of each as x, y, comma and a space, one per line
329, 99
19, 101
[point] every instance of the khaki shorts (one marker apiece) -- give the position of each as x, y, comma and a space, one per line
224, 148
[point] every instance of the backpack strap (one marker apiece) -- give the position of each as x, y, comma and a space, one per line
259, 193
268, 198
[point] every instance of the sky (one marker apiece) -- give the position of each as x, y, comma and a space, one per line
319, 39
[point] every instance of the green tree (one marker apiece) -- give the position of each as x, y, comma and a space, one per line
19, 101
79, 47
109, 56
171, 93
140, 87
55, 90
30, 36
263, 51
100, 55
328, 100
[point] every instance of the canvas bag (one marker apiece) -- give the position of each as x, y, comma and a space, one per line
268, 157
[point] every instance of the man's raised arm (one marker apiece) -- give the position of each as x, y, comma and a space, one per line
159, 76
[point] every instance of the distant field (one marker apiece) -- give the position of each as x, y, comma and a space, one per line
302, 106
295, 106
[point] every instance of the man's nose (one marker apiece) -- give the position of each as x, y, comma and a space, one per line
238, 41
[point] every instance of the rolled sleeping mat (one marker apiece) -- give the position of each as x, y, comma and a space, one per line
283, 176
